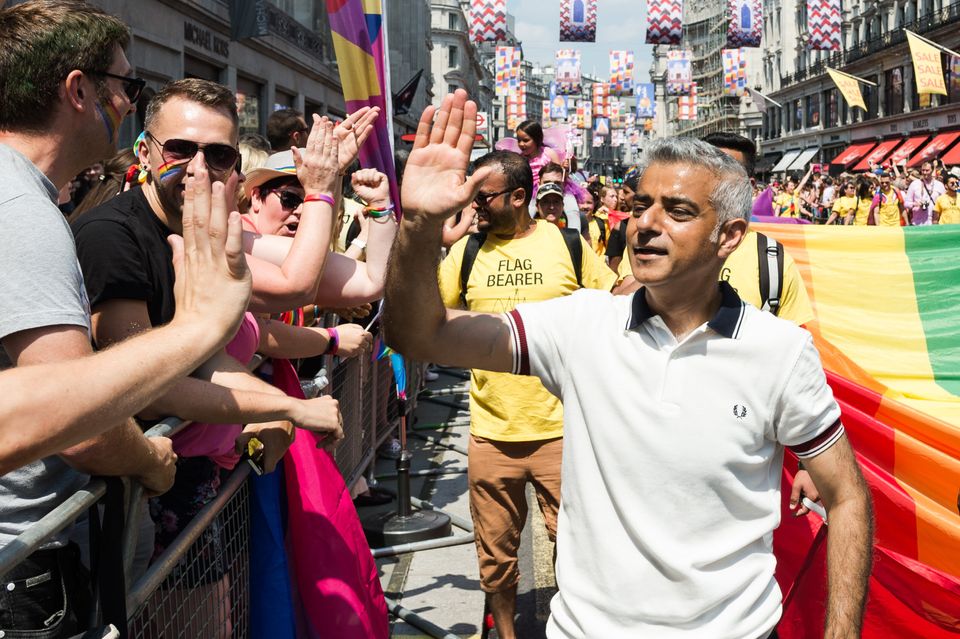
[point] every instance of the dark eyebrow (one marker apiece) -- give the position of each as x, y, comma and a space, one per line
673, 201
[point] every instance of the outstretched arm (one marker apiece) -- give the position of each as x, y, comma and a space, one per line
434, 187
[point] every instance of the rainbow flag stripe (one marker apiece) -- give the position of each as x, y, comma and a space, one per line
886, 302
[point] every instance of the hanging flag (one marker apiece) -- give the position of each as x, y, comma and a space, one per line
488, 20
601, 99
616, 137
568, 71
584, 114
601, 126
955, 75
927, 68
648, 125
687, 105
545, 119
507, 67
621, 72
356, 27
517, 106
744, 23
758, 99
404, 97
679, 72
634, 136
597, 141
849, 88
646, 106
734, 72
823, 24
664, 21
557, 106
578, 20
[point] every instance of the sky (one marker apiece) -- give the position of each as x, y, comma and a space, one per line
621, 24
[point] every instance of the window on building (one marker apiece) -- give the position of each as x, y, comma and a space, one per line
893, 95
453, 21
452, 88
813, 110
871, 96
926, 7
797, 114
910, 11
453, 56
951, 72
832, 116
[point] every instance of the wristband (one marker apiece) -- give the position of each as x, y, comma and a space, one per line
334, 344
358, 243
378, 213
321, 197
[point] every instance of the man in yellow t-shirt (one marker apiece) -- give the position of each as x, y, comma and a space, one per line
516, 426
946, 209
887, 206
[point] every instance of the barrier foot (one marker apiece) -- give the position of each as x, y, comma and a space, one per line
417, 621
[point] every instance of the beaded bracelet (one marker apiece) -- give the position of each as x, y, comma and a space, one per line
334, 344
321, 197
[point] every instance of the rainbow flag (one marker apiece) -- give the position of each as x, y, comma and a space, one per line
359, 40
886, 303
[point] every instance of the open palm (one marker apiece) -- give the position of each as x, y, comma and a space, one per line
352, 132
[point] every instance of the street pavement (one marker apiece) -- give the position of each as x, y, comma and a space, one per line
442, 585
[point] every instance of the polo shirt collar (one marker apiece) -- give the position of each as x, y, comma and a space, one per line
726, 321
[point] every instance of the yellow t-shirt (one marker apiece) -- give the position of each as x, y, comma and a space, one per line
599, 246
845, 205
742, 271
948, 209
888, 210
863, 211
537, 267
787, 205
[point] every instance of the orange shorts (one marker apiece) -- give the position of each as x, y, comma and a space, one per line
498, 473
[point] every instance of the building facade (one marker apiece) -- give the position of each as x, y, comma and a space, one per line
455, 61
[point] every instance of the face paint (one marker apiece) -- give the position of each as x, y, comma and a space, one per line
169, 170
111, 118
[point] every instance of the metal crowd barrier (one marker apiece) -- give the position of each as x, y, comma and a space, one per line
199, 586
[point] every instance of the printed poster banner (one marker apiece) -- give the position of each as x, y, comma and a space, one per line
664, 21
601, 99
507, 68
954, 75
597, 141
488, 20
616, 137
927, 67
646, 105
679, 72
648, 125
734, 72
568, 71
621, 72
687, 105
584, 114
557, 106
517, 106
823, 24
601, 127
849, 88
744, 23
578, 20
545, 119
634, 136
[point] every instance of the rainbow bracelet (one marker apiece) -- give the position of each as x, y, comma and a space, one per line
321, 197
378, 213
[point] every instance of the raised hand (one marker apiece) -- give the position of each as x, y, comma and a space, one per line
317, 167
353, 132
373, 187
353, 340
434, 181
212, 278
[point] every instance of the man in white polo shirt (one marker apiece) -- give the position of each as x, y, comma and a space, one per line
670, 492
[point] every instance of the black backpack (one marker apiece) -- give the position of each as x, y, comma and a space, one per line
571, 237
770, 259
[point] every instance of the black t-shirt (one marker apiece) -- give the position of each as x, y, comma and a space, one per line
617, 241
123, 252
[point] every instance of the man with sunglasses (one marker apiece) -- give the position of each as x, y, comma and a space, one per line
946, 210
516, 426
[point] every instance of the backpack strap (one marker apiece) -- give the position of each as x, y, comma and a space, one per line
602, 225
571, 238
770, 260
470, 252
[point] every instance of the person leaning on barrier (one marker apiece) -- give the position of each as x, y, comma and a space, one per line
670, 493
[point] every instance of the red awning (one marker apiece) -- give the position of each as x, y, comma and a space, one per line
852, 153
877, 155
908, 147
952, 156
934, 148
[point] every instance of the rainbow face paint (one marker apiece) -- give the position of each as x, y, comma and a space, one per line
169, 170
111, 118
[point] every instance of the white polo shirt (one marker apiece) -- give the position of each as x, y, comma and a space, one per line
671, 461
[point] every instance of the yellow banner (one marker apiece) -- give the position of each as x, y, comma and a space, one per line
927, 67
849, 87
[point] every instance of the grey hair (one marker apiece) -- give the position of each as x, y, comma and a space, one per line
731, 198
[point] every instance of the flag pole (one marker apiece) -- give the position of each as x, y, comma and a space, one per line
773, 102
853, 77
933, 44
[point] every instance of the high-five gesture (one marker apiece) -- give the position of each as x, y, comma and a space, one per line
317, 166
353, 132
435, 182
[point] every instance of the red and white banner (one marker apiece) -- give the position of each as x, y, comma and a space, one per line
517, 106
601, 100
744, 23
488, 20
584, 114
578, 20
664, 21
687, 105
621, 72
823, 24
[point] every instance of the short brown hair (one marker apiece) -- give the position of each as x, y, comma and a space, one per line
43, 41
205, 92
280, 125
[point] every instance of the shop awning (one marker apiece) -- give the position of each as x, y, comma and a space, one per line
852, 153
766, 163
908, 147
786, 160
800, 164
877, 155
952, 156
934, 148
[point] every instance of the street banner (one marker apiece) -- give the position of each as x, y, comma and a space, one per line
616, 115
507, 67
584, 114
954, 75
597, 140
823, 24
648, 125
601, 127
927, 68
557, 106
578, 20
616, 137
488, 20
687, 105
517, 106
359, 41
849, 88
601, 99
545, 120
568, 71
248, 19
758, 99
634, 135
734, 72
679, 72
621, 72
646, 105
664, 21
744, 23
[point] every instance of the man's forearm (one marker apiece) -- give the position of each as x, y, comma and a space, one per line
203, 401
380, 238
849, 561
120, 452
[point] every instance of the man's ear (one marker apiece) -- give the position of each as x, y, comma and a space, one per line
74, 90
731, 234
517, 196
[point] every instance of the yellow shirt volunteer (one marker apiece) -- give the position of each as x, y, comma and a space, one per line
844, 206
888, 209
537, 267
948, 209
863, 211
787, 205
742, 271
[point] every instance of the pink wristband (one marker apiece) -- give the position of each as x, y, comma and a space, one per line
321, 197
334, 344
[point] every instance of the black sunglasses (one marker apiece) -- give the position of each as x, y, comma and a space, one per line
288, 199
219, 157
483, 199
133, 87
